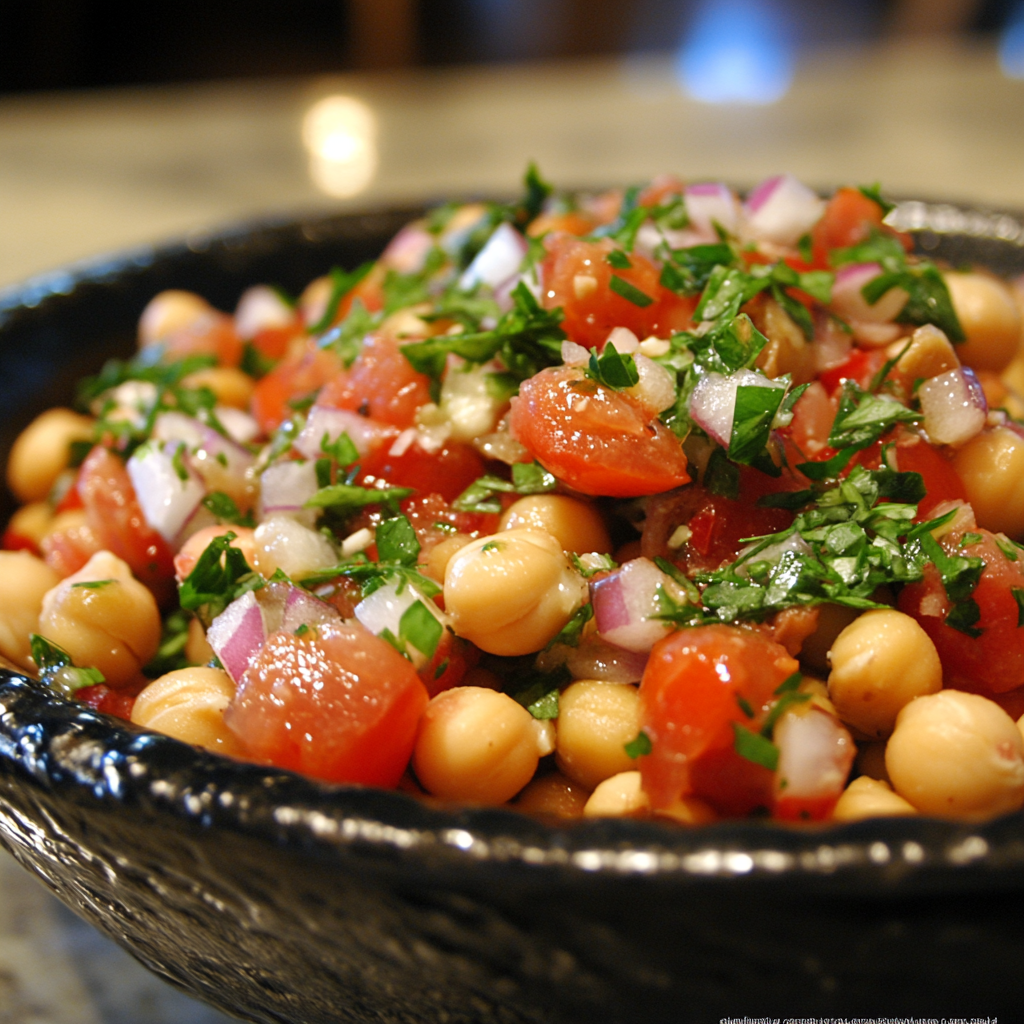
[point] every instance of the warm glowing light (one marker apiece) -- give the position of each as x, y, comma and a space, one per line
737, 51
340, 133
1011, 45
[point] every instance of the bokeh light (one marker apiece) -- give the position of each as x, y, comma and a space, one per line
738, 51
340, 134
1011, 44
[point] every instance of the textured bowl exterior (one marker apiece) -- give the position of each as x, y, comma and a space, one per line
277, 898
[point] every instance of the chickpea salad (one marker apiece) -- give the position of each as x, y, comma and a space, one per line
660, 501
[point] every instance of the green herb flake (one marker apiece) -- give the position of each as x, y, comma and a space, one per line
629, 292
570, 633
221, 575
344, 499
420, 627
92, 584
754, 747
613, 369
744, 705
639, 747
224, 507
342, 282
397, 542
618, 259
971, 538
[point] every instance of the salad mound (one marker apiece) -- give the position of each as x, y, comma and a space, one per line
661, 501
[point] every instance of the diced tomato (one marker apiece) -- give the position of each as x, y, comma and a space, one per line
211, 334
573, 223
338, 703
663, 187
596, 440
13, 541
813, 416
289, 380
849, 218
941, 480
453, 658
577, 277
381, 384
274, 342
993, 662
448, 471
698, 685
861, 367
118, 703
369, 291
426, 511
115, 518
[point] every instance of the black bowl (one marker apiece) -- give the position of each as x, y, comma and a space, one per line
278, 898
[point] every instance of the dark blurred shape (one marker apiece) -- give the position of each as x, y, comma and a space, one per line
57, 44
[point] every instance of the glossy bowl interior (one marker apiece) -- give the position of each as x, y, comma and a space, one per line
278, 898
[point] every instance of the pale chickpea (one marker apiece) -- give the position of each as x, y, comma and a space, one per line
441, 554
595, 722
232, 387
511, 593
32, 521
313, 301
576, 525
988, 313
185, 560
870, 798
957, 755
104, 618
881, 662
553, 794
42, 452
24, 581
618, 797
261, 308
189, 704
197, 647
991, 466
928, 353
168, 313
475, 745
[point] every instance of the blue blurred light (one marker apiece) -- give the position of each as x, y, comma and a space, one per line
737, 51
1011, 45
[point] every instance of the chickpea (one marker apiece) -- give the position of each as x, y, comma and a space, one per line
511, 593
24, 581
618, 797
475, 744
261, 308
595, 722
832, 620
929, 353
689, 810
232, 387
185, 560
957, 755
169, 312
870, 798
441, 554
575, 524
990, 318
42, 452
32, 521
881, 662
113, 626
553, 794
189, 704
991, 466
197, 647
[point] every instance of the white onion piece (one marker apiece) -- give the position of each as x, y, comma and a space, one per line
238, 634
626, 603
597, 659
301, 608
383, 610
624, 340
498, 261
323, 421
656, 389
954, 406
713, 402
468, 403
287, 486
407, 251
176, 426
815, 755
166, 500
241, 427
575, 355
782, 210
261, 308
848, 298
281, 542
709, 204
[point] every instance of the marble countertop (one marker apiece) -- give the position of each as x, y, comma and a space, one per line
83, 174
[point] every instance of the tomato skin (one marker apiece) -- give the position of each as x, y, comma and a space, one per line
861, 366
590, 316
992, 663
293, 378
381, 384
448, 471
453, 658
118, 703
13, 541
339, 704
689, 700
596, 440
941, 480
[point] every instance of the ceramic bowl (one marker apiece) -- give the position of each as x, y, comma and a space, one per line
277, 898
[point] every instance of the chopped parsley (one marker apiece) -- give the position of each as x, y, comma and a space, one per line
639, 747
57, 669
613, 369
221, 575
527, 478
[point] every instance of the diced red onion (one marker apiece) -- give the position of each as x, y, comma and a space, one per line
709, 204
238, 634
782, 210
815, 755
498, 261
713, 402
166, 500
287, 486
954, 406
574, 355
301, 608
595, 658
848, 298
626, 603
365, 434
407, 251
261, 308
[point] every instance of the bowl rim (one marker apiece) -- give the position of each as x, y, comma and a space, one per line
103, 763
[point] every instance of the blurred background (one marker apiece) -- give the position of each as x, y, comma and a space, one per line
125, 124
